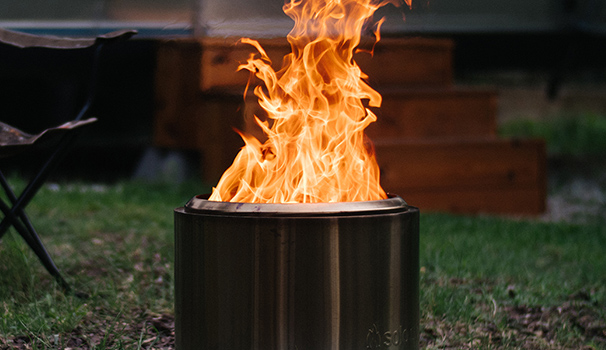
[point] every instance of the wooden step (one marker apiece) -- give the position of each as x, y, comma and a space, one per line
407, 62
466, 176
419, 114
205, 124
221, 57
188, 119
435, 144
435, 112
527, 201
176, 95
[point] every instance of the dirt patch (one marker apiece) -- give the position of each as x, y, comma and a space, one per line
524, 327
153, 332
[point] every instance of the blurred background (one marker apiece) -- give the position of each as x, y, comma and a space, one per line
543, 60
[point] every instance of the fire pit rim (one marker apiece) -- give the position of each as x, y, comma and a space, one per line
201, 204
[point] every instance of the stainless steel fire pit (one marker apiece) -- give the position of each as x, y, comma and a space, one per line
297, 276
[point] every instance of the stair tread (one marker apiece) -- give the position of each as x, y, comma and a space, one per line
412, 61
518, 201
434, 90
499, 163
435, 112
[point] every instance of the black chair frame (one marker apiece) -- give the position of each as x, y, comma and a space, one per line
59, 139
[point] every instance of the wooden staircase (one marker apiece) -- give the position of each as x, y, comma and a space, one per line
436, 143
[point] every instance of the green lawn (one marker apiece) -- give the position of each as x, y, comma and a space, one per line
486, 282
578, 135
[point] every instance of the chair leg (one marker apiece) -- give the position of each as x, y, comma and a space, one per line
16, 216
27, 231
17, 210
34, 185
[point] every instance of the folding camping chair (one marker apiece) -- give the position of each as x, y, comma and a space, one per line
56, 140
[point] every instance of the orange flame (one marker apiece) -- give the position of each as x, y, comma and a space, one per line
316, 150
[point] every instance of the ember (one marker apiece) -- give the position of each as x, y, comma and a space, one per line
316, 150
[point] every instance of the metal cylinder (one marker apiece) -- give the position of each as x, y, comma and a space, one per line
297, 276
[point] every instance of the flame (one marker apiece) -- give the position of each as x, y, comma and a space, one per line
316, 150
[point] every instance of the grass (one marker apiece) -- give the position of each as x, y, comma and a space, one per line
479, 273
565, 135
486, 282
114, 243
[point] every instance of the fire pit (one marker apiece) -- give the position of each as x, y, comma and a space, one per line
298, 246
297, 276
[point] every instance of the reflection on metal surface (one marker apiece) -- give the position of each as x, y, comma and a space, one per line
201, 204
337, 279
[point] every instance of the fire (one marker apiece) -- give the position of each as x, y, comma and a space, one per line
316, 150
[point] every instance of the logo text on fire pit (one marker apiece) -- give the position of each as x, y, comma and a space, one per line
377, 339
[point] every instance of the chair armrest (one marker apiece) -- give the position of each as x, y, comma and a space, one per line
24, 40
14, 141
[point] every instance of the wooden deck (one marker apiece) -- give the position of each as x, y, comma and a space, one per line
436, 143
